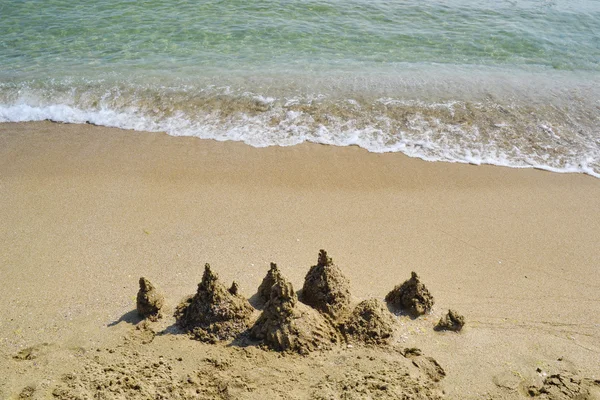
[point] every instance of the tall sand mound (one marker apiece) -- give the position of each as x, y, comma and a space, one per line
214, 313
325, 287
287, 325
412, 297
149, 300
370, 322
273, 275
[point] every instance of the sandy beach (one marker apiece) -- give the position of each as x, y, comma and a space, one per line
86, 211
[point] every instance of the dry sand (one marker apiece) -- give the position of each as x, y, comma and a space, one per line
86, 211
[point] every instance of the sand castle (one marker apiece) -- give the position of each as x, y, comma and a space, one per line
288, 325
370, 322
325, 287
317, 320
214, 313
149, 300
264, 290
452, 321
411, 297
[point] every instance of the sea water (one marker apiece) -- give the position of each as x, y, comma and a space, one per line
513, 83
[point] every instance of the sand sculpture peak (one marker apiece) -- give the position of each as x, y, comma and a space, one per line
214, 313
288, 325
326, 289
149, 301
411, 296
272, 276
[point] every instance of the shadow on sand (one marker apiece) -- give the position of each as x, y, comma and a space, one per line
131, 317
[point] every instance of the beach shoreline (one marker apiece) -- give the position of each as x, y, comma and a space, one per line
87, 210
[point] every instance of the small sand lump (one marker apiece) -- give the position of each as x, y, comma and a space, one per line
452, 321
234, 289
412, 297
149, 300
264, 290
213, 313
325, 287
370, 322
288, 325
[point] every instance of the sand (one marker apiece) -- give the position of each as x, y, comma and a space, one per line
86, 211
411, 297
326, 288
149, 300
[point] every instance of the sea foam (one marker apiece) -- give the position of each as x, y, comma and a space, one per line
452, 131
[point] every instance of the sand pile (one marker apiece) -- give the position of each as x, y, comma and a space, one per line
325, 287
214, 313
273, 275
452, 321
370, 322
368, 375
149, 300
122, 380
564, 386
217, 313
428, 365
411, 297
287, 325
171, 369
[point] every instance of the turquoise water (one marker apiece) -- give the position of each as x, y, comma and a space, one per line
512, 83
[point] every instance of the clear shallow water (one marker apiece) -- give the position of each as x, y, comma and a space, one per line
512, 83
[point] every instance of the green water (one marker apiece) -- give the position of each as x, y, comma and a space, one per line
505, 82
184, 36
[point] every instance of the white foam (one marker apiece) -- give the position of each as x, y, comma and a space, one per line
296, 127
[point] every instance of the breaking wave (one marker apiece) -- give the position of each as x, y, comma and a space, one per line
555, 136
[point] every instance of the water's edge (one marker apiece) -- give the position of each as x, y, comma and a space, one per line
411, 148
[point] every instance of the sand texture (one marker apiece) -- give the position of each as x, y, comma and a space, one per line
86, 211
214, 313
326, 289
272, 277
370, 322
451, 321
149, 300
287, 325
411, 297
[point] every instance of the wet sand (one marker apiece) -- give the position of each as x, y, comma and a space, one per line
87, 210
